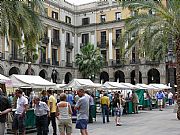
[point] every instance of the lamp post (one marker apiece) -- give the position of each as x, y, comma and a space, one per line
29, 68
170, 65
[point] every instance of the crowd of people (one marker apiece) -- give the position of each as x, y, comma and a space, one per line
58, 109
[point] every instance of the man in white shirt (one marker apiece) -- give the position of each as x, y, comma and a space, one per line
19, 116
170, 97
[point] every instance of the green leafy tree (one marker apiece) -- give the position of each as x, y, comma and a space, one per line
22, 18
155, 29
90, 61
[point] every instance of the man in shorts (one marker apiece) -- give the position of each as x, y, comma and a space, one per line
19, 116
82, 106
160, 96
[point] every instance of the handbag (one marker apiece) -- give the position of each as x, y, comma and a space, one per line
9, 118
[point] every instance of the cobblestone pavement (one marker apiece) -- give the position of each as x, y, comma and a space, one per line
153, 122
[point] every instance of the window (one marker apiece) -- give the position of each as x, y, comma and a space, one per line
68, 19
117, 56
118, 34
118, 16
54, 15
103, 18
103, 52
85, 21
103, 38
68, 56
14, 50
43, 54
133, 55
54, 56
55, 34
68, 37
85, 39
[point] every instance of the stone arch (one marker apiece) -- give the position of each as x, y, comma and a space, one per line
104, 76
43, 74
14, 70
133, 77
1, 70
119, 76
153, 76
32, 72
68, 77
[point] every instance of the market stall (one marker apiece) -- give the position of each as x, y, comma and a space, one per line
32, 82
3, 81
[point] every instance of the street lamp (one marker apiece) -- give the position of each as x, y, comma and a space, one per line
170, 61
29, 68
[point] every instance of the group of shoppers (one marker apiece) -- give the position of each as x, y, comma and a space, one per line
46, 110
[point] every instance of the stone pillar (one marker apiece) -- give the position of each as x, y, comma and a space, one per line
110, 48
79, 42
93, 38
6, 48
63, 53
49, 44
73, 50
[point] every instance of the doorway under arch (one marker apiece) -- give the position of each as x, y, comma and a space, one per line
43, 74
104, 76
133, 80
68, 77
14, 70
153, 76
119, 76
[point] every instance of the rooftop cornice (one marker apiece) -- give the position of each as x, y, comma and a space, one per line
77, 12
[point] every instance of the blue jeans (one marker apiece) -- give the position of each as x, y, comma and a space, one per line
170, 101
105, 111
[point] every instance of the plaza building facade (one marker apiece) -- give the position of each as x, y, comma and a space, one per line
70, 27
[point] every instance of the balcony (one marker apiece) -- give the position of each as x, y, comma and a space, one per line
55, 42
2, 56
69, 64
152, 62
44, 61
16, 58
54, 62
103, 44
133, 61
69, 45
45, 40
118, 63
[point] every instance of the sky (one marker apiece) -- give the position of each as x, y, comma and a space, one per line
78, 2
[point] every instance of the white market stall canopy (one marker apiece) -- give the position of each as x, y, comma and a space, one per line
77, 83
160, 86
130, 86
114, 86
4, 78
60, 86
146, 87
30, 81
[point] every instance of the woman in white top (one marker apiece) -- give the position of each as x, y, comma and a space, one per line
64, 113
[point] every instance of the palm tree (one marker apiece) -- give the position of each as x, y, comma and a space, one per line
21, 18
89, 61
154, 29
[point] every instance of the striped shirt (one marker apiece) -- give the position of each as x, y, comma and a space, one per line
41, 109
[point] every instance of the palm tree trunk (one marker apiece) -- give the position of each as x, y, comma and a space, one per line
178, 75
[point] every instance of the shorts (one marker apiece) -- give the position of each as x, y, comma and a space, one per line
81, 124
118, 112
18, 123
160, 101
65, 124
